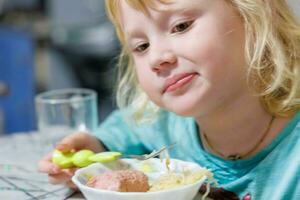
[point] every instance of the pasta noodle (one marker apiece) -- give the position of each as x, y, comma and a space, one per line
173, 180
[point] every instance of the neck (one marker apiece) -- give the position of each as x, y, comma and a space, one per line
236, 129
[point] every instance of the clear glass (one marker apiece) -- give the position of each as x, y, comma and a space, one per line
65, 111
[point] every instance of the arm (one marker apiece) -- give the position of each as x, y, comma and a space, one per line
117, 134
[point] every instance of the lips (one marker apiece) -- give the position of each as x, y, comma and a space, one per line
178, 81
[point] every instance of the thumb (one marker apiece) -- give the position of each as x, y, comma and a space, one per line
73, 142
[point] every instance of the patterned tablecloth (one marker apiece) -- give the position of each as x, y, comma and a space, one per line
19, 177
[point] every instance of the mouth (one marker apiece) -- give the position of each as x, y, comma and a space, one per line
178, 81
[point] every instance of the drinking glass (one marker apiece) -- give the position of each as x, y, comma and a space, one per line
65, 111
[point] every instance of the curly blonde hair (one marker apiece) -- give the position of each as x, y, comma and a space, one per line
272, 51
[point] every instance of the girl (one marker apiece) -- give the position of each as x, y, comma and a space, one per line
218, 77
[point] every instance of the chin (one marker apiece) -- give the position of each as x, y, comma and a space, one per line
184, 111
179, 110
186, 107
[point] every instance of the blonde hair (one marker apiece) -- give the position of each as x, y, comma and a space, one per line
272, 51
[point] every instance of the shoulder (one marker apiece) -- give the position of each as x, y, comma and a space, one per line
293, 127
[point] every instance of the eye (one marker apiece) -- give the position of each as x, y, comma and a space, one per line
142, 47
181, 27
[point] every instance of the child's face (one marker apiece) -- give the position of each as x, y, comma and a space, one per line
189, 56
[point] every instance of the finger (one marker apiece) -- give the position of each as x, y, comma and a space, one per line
75, 141
70, 184
57, 179
61, 178
70, 172
46, 166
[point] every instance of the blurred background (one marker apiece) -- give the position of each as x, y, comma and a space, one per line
55, 44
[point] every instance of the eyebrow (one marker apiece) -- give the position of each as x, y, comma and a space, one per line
132, 34
164, 17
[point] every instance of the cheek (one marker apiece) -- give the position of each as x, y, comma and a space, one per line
216, 41
148, 84
217, 57
142, 72
146, 79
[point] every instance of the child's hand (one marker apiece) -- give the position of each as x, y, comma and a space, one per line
55, 174
74, 142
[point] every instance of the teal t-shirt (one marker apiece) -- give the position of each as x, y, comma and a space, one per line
274, 173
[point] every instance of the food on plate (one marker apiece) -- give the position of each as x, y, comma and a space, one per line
172, 180
146, 176
121, 181
136, 181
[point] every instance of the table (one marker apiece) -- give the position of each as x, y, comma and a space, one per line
19, 177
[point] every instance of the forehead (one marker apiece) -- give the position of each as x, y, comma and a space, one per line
161, 5
128, 10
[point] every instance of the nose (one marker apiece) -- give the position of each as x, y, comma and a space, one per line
162, 59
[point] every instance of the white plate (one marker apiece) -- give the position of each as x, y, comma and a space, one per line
186, 192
